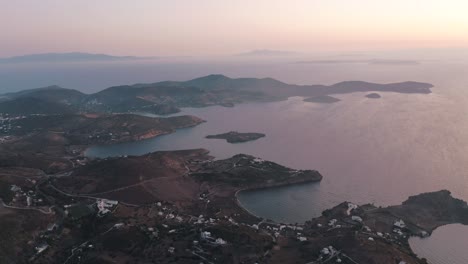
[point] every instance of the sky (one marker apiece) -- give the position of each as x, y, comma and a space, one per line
219, 27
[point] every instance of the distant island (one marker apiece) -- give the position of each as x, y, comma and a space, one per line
169, 96
267, 53
394, 62
68, 57
236, 137
324, 99
372, 62
374, 96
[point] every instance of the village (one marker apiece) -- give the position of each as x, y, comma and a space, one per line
166, 229
7, 125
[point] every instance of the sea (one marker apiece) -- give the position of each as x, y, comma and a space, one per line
369, 150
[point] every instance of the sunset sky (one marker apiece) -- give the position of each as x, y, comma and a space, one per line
215, 27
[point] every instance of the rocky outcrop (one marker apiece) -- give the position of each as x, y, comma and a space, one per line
237, 137
373, 96
324, 99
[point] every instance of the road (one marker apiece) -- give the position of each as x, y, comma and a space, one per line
49, 211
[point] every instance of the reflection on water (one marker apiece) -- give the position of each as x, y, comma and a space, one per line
368, 150
446, 245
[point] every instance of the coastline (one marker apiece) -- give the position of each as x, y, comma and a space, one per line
243, 208
268, 186
86, 148
387, 216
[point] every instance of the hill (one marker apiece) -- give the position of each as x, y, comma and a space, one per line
48, 142
50, 93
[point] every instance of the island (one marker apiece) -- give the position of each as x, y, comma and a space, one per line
69, 57
324, 99
237, 137
168, 97
373, 96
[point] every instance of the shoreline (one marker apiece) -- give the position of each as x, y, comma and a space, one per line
409, 230
279, 185
366, 228
86, 148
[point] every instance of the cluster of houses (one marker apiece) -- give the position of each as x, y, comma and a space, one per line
328, 253
102, 207
7, 122
207, 237
276, 230
105, 206
23, 198
170, 219
6, 126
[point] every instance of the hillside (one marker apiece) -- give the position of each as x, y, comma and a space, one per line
48, 142
83, 129
50, 93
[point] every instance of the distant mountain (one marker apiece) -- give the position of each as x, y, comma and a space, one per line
219, 82
373, 62
394, 62
268, 53
167, 97
68, 57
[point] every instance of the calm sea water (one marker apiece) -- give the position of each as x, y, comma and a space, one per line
446, 245
379, 151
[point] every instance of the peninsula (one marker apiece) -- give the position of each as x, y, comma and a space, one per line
181, 206
54, 143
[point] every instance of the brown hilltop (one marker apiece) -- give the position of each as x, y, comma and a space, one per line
177, 176
49, 142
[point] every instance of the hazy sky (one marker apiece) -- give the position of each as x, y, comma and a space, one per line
213, 27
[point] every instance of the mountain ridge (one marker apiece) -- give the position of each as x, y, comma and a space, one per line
214, 89
68, 57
